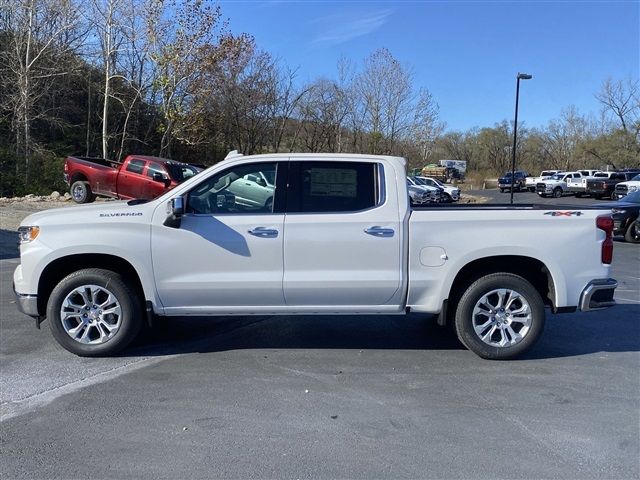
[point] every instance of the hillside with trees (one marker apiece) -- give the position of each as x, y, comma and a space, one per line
106, 78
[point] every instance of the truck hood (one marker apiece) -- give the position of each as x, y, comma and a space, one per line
80, 213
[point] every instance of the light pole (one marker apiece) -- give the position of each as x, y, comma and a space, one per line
521, 76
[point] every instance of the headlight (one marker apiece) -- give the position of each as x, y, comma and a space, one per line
28, 234
633, 188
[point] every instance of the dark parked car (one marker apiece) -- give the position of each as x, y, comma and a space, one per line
519, 181
606, 187
625, 217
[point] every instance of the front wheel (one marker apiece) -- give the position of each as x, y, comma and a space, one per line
557, 192
94, 312
500, 316
632, 235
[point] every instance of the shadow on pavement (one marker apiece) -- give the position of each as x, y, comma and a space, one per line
613, 330
9, 244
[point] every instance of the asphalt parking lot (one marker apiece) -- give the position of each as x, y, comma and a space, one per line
327, 397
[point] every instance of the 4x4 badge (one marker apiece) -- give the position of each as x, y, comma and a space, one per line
563, 214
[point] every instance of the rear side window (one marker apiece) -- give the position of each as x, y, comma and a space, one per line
136, 166
325, 187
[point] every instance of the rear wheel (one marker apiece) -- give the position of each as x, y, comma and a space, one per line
94, 312
632, 235
500, 316
81, 192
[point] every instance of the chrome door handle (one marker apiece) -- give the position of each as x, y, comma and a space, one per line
264, 232
380, 231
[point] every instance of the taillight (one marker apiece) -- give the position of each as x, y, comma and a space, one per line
66, 167
605, 223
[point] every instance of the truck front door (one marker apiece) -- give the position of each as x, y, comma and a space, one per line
225, 254
131, 179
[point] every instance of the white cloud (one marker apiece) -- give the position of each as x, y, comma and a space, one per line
342, 29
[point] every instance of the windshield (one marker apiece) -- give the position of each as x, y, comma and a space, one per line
419, 181
180, 172
557, 176
546, 174
601, 175
636, 178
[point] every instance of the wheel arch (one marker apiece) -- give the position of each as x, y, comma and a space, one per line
59, 268
529, 268
78, 176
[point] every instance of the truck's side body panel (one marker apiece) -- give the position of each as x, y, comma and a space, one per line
443, 241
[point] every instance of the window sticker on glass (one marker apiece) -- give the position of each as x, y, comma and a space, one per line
335, 182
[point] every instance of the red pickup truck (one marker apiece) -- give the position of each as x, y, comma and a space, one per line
139, 176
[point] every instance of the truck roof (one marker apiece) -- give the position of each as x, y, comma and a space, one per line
317, 156
155, 159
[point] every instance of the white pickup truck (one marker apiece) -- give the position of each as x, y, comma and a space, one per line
531, 182
338, 238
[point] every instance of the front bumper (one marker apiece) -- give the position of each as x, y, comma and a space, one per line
27, 304
598, 294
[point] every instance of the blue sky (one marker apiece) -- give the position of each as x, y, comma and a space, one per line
466, 53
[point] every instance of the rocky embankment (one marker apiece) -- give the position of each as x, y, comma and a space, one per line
14, 209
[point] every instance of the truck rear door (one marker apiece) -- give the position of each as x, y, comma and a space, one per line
343, 235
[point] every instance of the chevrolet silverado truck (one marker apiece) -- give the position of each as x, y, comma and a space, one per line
339, 237
138, 176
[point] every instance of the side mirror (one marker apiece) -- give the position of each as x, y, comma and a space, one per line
175, 210
158, 177
261, 182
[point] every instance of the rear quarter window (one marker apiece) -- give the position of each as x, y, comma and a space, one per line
136, 166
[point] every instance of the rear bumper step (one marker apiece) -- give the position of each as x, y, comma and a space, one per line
598, 294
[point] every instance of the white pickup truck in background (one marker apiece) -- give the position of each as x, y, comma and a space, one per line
339, 237
531, 182
558, 185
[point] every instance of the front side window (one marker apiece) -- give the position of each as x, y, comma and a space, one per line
324, 187
181, 172
156, 168
241, 189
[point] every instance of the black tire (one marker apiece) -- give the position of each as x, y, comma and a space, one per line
268, 205
131, 316
578, 195
502, 190
80, 192
557, 192
464, 315
613, 195
632, 235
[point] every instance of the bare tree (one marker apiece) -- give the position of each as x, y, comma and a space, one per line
426, 127
187, 40
40, 33
387, 91
622, 99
